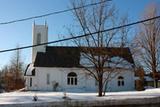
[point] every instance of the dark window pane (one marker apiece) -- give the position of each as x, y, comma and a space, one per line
120, 77
122, 83
71, 81
72, 74
75, 81
30, 82
68, 81
119, 83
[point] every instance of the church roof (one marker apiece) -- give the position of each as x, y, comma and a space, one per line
64, 56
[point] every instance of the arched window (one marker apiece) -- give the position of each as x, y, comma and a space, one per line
38, 38
120, 81
72, 78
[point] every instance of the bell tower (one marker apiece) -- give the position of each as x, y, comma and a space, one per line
39, 35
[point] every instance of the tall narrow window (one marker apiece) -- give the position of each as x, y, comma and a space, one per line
120, 81
30, 82
48, 79
72, 78
38, 38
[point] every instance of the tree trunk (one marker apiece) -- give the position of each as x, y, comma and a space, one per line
156, 83
100, 86
105, 88
155, 78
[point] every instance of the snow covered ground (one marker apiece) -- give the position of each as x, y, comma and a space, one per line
27, 97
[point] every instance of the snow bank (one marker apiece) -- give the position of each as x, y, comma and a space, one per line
27, 97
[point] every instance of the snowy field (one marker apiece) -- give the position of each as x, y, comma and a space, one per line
27, 97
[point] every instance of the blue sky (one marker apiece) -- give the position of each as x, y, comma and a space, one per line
21, 32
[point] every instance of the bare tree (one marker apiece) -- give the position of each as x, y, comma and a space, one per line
147, 42
17, 67
97, 48
13, 73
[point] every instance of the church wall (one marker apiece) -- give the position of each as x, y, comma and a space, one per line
85, 83
59, 75
129, 82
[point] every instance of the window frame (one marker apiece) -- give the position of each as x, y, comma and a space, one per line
30, 81
48, 79
120, 81
72, 79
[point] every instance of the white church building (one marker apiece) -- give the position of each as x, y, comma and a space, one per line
57, 68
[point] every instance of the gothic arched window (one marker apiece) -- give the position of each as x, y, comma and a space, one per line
72, 78
38, 38
120, 81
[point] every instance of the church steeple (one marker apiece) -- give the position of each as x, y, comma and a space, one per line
39, 35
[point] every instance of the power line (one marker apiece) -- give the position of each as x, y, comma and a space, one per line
52, 13
70, 38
